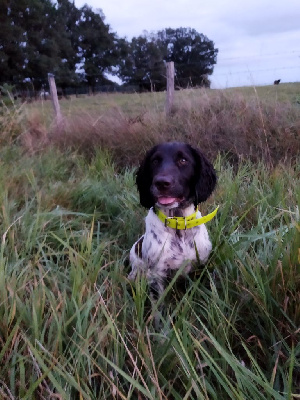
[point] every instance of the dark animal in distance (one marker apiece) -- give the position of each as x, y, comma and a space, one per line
172, 180
277, 82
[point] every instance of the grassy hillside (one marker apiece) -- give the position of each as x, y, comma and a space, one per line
73, 327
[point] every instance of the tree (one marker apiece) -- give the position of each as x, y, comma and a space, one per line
42, 41
143, 67
67, 24
97, 46
32, 44
12, 54
42, 36
193, 54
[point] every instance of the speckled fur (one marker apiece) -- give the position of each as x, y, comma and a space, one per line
165, 250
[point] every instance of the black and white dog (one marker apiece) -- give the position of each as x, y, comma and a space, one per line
172, 180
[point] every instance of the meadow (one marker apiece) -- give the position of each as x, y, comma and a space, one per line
71, 324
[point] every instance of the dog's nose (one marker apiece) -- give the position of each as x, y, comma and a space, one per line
163, 182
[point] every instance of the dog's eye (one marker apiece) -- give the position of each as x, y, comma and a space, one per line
155, 161
182, 161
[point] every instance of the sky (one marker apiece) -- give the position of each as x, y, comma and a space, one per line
258, 40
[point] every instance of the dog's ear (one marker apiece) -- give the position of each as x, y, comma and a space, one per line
205, 177
144, 180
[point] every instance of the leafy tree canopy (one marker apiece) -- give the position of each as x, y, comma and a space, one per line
38, 37
42, 36
194, 56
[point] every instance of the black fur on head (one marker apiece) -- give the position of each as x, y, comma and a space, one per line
205, 176
200, 177
144, 178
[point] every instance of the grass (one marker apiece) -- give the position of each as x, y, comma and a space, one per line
73, 327
263, 124
138, 103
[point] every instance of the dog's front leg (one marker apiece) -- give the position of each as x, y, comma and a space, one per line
156, 287
136, 260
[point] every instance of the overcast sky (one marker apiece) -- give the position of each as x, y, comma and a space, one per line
258, 40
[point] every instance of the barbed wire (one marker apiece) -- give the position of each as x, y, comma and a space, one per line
151, 79
256, 70
159, 69
260, 55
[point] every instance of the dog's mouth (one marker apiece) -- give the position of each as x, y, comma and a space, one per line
168, 201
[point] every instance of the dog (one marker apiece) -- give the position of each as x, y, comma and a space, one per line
172, 180
277, 82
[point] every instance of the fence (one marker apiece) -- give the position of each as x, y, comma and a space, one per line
55, 94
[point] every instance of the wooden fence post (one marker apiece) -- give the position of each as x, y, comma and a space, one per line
55, 102
170, 87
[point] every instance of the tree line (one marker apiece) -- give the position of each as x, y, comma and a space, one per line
38, 37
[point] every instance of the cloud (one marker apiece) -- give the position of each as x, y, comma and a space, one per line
257, 39
259, 17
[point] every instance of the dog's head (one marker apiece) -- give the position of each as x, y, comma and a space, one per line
175, 175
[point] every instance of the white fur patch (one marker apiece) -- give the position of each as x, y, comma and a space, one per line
164, 250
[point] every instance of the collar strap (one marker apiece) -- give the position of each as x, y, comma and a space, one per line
184, 222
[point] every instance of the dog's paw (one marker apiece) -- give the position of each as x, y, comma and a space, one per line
132, 275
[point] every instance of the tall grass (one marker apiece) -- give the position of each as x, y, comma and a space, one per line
257, 126
73, 327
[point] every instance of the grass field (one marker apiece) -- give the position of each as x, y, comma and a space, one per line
143, 102
260, 123
73, 327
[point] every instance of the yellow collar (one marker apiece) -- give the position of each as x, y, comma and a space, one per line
184, 222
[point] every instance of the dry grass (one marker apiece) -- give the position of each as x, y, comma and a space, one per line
233, 123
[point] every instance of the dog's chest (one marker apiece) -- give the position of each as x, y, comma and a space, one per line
164, 248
